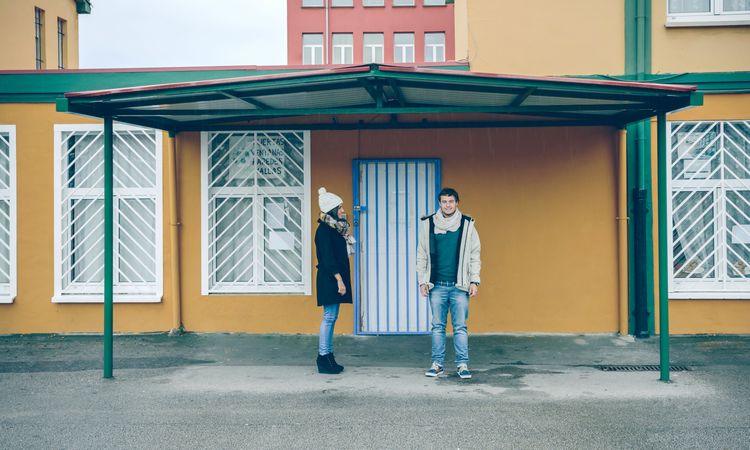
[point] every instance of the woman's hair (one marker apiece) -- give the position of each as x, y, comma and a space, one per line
448, 192
334, 212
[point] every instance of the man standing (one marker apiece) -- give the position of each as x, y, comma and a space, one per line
448, 267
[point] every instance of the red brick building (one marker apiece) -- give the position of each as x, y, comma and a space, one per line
369, 31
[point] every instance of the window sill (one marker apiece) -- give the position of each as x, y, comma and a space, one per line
708, 21
6, 299
244, 292
709, 295
100, 299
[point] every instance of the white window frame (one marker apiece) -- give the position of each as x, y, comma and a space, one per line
715, 17
341, 50
373, 3
432, 49
121, 295
369, 50
403, 48
8, 295
313, 3
314, 49
342, 3
305, 287
681, 288
403, 3
434, 3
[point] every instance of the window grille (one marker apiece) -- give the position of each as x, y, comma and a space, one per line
137, 212
256, 218
710, 207
7, 213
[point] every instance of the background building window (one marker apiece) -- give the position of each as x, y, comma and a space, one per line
62, 43
373, 2
373, 48
342, 3
79, 214
312, 48
434, 2
39, 37
403, 47
434, 47
343, 48
7, 213
403, 2
710, 208
313, 3
708, 12
255, 204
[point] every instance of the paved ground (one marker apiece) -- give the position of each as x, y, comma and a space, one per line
262, 391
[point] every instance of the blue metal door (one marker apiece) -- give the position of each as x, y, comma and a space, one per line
390, 196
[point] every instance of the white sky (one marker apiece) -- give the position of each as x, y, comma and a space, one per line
179, 33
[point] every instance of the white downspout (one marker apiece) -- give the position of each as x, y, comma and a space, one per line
325, 40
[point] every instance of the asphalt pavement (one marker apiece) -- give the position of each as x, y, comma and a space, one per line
263, 391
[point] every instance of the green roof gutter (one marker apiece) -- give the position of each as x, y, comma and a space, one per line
83, 6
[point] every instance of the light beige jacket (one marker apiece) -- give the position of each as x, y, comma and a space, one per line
469, 263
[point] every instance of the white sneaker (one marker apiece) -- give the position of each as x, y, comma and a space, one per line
434, 370
463, 371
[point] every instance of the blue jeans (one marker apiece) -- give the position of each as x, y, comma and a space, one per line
330, 314
442, 299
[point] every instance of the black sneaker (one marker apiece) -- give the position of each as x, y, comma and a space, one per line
434, 370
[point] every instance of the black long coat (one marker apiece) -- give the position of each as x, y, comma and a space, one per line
330, 248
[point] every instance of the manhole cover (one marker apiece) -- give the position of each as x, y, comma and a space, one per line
640, 368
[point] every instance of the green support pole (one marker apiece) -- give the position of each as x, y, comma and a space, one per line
661, 137
108, 237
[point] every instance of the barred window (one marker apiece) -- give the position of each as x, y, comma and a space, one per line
79, 214
7, 213
710, 209
256, 233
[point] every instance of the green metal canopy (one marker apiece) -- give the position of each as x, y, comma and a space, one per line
381, 96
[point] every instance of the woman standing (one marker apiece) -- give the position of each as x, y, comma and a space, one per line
333, 245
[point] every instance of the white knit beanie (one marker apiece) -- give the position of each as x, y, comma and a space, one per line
328, 200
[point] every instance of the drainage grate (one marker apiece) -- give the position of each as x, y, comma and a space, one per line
640, 368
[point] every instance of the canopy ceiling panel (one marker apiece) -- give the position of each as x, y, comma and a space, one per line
398, 96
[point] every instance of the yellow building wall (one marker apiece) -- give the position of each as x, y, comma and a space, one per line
697, 49
461, 27
17, 44
544, 203
544, 200
579, 37
33, 310
702, 316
